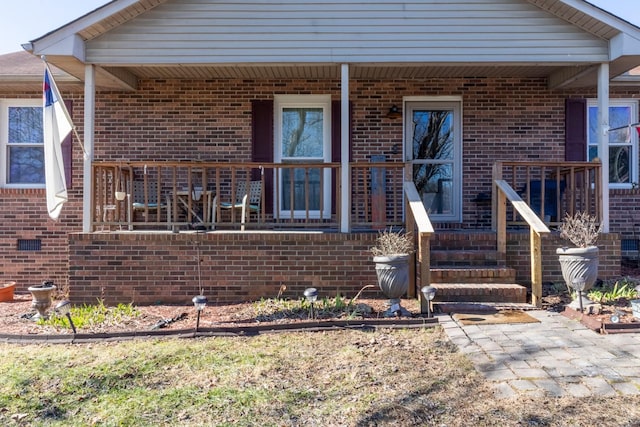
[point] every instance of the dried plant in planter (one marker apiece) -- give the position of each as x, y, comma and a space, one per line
581, 229
393, 243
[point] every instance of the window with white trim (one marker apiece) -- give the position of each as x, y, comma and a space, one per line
303, 135
21, 143
623, 143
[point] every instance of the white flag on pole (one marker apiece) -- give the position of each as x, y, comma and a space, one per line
57, 126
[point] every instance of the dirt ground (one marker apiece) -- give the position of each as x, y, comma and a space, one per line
15, 316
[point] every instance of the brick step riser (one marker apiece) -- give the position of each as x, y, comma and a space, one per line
463, 246
480, 293
472, 275
460, 258
464, 241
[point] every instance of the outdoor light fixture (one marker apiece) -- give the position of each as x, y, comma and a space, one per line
429, 293
615, 317
311, 294
64, 308
200, 302
578, 284
394, 113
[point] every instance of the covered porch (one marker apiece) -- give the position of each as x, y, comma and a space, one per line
171, 250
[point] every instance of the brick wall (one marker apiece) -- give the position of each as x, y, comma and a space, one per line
235, 267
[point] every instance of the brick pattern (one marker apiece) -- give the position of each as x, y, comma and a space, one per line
235, 267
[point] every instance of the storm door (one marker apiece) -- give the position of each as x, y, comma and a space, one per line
434, 151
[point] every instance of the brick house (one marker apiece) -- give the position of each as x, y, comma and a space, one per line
330, 107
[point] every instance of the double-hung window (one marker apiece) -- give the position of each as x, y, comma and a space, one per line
302, 136
21, 142
623, 143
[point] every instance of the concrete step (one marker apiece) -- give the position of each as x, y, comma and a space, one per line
472, 274
480, 292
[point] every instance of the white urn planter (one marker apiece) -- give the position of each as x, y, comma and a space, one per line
393, 280
579, 264
41, 298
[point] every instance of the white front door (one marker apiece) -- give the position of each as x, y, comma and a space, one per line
433, 143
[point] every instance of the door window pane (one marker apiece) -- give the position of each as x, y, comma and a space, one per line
434, 183
302, 133
303, 184
433, 135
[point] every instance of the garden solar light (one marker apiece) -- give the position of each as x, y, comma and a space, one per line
64, 307
429, 293
311, 294
200, 302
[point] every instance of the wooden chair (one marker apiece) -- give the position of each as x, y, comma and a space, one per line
245, 201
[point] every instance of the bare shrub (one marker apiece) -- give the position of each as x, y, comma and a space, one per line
581, 229
390, 242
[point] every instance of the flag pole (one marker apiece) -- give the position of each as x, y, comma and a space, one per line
632, 125
64, 109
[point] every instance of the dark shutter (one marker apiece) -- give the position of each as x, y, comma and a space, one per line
262, 145
67, 153
575, 128
336, 108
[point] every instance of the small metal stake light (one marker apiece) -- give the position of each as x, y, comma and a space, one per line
578, 284
64, 308
429, 293
200, 302
311, 294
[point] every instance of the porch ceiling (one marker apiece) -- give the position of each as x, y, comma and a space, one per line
557, 75
396, 71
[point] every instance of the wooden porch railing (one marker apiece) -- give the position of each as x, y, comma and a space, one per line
505, 192
418, 219
179, 195
552, 189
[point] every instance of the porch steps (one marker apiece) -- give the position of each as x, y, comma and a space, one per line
466, 271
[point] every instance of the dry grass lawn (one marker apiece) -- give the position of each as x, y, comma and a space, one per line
411, 377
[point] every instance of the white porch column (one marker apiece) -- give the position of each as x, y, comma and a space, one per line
603, 139
345, 181
89, 117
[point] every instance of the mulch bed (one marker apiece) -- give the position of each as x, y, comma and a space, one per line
228, 319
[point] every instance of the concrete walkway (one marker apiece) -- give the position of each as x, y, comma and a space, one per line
558, 357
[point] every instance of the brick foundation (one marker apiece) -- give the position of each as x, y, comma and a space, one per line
148, 268
235, 267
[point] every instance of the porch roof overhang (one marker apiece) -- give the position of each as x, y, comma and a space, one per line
606, 38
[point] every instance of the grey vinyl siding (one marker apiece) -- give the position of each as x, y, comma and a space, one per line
299, 31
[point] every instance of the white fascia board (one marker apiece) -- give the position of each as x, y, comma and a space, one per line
57, 36
71, 46
623, 45
604, 16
